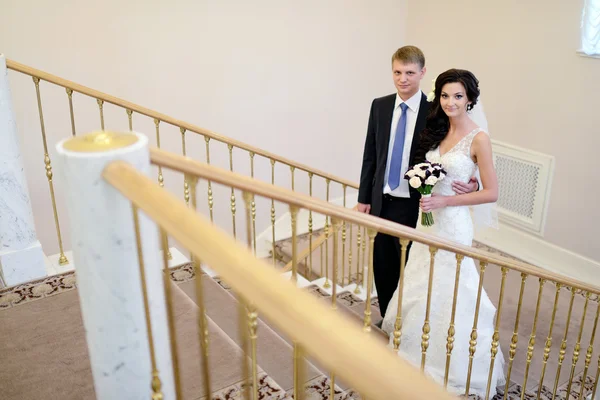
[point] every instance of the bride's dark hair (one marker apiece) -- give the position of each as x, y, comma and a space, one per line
438, 123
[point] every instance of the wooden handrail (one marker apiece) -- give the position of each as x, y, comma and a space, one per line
24, 69
230, 179
330, 337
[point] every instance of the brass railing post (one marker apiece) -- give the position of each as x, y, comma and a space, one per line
531, 345
496, 336
578, 344
210, 192
473, 341
294, 218
202, 321
156, 383
274, 243
186, 187
451, 329
367, 322
359, 271
515, 337
398, 324
72, 114
590, 351
563, 345
548, 344
62, 260
426, 326
310, 228
101, 108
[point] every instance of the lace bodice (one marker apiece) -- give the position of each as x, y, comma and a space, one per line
454, 223
457, 162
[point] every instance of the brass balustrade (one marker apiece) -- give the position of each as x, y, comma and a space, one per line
314, 327
337, 217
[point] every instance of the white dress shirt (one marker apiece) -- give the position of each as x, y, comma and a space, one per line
411, 119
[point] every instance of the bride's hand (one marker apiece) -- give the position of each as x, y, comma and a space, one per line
433, 203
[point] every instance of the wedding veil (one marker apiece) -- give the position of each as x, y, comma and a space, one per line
484, 215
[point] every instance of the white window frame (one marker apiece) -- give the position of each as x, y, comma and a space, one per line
590, 29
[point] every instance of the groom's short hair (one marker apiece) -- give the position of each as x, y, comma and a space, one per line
409, 55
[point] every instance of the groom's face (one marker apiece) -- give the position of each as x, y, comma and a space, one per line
407, 78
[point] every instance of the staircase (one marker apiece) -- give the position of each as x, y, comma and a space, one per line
47, 352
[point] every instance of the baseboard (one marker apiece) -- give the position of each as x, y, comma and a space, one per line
538, 252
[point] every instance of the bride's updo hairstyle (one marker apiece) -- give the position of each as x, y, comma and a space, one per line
438, 123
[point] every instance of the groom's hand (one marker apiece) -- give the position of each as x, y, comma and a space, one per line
363, 208
464, 188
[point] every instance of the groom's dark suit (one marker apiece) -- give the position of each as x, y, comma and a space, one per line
403, 210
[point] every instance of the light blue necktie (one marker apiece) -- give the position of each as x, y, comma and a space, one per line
396, 162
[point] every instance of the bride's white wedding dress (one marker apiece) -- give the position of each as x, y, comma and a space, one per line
453, 223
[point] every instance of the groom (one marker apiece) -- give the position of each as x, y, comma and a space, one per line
395, 124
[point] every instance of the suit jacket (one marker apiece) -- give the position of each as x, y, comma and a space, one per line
376, 150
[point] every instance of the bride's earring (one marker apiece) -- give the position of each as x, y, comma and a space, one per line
469, 107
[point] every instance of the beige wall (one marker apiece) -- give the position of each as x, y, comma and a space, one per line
538, 93
294, 78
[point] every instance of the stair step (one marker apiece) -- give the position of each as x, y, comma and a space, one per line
274, 354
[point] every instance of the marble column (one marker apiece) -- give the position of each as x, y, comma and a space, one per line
107, 268
21, 255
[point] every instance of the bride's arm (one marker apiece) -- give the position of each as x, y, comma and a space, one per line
481, 150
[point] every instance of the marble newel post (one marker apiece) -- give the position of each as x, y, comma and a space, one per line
21, 254
107, 268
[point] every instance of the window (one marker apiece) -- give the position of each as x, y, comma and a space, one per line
590, 28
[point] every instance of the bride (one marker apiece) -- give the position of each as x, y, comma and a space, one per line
453, 139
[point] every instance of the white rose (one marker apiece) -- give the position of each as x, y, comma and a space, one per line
421, 173
431, 96
442, 176
432, 180
411, 173
415, 182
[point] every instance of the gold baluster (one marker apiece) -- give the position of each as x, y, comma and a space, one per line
210, 193
186, 187
156, 384
473, 341
398, 323
310, 227
327, 234
273, 213
367, 323
70, 96
349, 254
101, 107
531, 345
244, 339
563, 345
451, 330
292, 169
595, 388
515, 337
169, 306
364, 255
62, 260
253, 205
590, 350
294, 216
578, 344
426, 326
130, 118
230, 147
344, 243
299, 372
549, 340
252, 313
161, 180
358, 264
496, 336
202, 322
327, 285
336, 228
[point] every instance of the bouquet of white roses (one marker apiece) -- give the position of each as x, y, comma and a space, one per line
423, 178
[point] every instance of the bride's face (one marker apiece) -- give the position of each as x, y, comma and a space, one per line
454, 99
